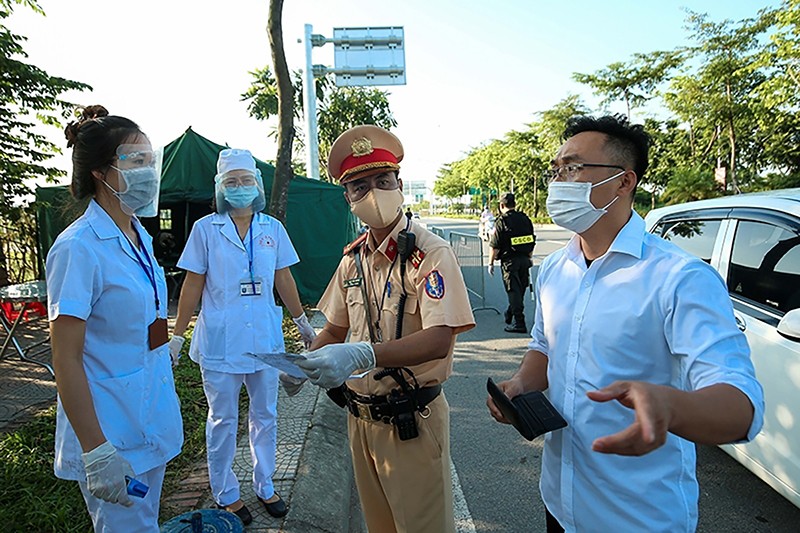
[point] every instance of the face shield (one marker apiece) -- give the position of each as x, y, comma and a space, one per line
139, 179
239, 189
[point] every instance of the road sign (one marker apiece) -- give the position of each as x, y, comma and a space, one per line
369, 56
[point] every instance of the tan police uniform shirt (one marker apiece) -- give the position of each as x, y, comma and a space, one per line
437, 296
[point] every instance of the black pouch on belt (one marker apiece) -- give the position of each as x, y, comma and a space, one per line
403, 409
336, 394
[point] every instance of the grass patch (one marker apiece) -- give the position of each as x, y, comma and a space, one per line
33, 499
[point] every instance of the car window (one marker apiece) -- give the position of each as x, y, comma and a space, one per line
694, 236
765, 265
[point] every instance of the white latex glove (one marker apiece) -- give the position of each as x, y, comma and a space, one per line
490, 269
105, 474
175, 345
307, 332
290, 384
331, 365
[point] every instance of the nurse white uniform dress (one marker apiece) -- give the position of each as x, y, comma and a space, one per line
230, 325
93, 274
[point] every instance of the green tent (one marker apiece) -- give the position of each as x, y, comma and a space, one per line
318, 218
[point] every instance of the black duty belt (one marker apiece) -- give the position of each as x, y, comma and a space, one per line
385, 408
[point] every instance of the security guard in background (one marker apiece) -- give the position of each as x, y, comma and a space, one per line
399, 293
512, 243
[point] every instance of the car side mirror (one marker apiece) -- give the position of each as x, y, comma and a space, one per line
789, 326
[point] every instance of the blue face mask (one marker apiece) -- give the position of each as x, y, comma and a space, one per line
241, 197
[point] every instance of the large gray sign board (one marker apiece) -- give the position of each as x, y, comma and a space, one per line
369, 56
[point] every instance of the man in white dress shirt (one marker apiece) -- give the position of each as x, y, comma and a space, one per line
636, 344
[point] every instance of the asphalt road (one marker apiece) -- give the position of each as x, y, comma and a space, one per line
498, 470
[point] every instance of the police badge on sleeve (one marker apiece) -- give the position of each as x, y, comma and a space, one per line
434, 285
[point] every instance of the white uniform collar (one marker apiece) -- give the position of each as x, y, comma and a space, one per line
228, 228
629, 240
104, 227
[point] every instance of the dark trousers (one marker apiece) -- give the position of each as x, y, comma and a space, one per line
516, 278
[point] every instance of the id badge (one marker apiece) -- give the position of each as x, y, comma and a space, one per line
157, 333
248, 287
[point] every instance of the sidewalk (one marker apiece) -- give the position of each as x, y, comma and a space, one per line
313, 469
25, 388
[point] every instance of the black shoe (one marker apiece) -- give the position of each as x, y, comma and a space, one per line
516, 328
276, 508
507, 315
243, 513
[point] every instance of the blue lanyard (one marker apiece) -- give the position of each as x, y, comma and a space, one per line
149, 272
250, 250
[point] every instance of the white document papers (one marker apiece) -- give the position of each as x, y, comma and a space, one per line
283, 361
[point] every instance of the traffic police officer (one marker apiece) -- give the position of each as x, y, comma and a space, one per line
512, 242
399, 293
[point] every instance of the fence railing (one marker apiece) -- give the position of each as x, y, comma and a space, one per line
469, 252
437, 231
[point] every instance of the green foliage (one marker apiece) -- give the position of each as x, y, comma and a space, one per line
338, 108
734, 98
515, 162
32, 499
29, 98
690, 184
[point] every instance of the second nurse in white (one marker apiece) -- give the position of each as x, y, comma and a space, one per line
233, 259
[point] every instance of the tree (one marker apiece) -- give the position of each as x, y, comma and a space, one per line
635, 82
279, 197
338, 108
718, 100
29, 98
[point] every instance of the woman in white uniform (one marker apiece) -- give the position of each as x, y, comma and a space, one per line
118, 414
233, 259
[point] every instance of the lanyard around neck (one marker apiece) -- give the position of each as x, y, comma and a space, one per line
149, 272
250, 249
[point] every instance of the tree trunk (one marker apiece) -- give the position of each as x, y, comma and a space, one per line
732, 140
279, 196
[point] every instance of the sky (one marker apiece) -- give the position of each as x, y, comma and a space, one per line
475, 69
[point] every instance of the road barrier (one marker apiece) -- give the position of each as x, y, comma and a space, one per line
469, 252
437, 231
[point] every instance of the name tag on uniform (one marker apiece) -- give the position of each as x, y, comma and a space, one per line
353, 282
523, 239
248, 287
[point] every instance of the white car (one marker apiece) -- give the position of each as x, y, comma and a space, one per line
753, 240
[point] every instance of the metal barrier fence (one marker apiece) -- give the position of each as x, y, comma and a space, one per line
437, 231
469, 252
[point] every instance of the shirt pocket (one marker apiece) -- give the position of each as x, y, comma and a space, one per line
411, 318
357, 314
118, 404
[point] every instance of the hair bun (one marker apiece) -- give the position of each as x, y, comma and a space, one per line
92, 112
87, 113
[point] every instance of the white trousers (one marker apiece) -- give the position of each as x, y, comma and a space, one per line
222, 392
142, 517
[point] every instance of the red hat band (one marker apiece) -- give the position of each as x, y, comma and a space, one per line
378, 158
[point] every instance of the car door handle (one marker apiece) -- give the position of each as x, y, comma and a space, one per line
740, 323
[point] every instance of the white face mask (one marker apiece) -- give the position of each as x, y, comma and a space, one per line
378, 208
570, 206
141, 189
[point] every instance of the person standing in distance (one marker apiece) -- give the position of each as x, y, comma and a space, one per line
118, 416
399, 293
636, 344
233, 259
512, 242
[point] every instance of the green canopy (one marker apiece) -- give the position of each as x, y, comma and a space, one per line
318, 219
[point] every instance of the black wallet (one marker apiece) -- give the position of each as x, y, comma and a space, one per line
531, 413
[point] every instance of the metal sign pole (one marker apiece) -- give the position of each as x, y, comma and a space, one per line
310, 111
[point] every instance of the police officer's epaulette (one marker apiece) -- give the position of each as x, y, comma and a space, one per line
416, 257
356, 243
